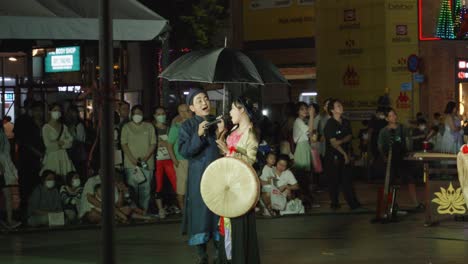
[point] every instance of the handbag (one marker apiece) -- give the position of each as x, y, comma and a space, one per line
316, 161
278, 200
293, 207
138, 175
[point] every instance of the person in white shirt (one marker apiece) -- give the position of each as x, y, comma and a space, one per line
267, 172
85, 206
282, 179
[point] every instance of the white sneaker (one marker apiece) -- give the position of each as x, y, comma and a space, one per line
176, 210
266, 212
162, 214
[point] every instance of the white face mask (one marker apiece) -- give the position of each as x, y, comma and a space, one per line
76, 183
160, 118
422, 127
137, 118
365, 136
50, 184
55, 114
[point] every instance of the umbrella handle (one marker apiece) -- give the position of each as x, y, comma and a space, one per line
224, 98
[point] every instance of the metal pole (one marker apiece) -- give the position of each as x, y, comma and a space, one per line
106, 136
164, 63
413, 101
3, 88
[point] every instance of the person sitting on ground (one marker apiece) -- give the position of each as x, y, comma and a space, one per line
126, 205
44, 199
283, 179
94, 216
267, 171
71, 196
267, 174
84, 205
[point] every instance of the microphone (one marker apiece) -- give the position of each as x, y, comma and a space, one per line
214, 122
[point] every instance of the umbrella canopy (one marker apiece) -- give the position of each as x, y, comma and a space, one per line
223, 65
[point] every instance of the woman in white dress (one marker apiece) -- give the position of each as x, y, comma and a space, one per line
453, 137
57, 139
9, 175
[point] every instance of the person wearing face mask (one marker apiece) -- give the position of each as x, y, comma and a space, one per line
164, 159
44, 199
57, 139
394, 133
30, 151
71, 196
138, 142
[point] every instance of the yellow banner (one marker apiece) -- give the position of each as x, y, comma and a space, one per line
278, 19
401, 42
363, 46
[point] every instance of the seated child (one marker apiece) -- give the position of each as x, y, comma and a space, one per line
267, 174
71, 196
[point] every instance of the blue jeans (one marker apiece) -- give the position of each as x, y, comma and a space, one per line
141, 191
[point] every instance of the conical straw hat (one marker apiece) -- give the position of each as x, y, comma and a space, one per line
230, 187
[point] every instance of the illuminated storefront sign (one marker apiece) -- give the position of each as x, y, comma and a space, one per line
63, 60
71, 88
462, 69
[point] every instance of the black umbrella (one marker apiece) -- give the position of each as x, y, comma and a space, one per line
223, 65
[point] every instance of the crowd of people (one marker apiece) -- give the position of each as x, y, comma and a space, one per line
50, 159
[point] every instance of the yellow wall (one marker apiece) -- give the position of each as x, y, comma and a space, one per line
273, 19
359, 53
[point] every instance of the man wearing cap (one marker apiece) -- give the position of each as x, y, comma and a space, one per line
198, 144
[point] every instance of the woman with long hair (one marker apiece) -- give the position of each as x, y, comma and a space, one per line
453, 137
57, 140
242, 143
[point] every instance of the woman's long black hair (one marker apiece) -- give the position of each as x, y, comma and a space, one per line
247, 104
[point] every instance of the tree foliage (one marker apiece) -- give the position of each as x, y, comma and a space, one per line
204, 22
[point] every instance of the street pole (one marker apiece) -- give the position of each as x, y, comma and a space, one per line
106, 95
3, 88
413, 101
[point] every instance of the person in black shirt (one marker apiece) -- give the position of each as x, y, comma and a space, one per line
338, 137
395, 134
28, 129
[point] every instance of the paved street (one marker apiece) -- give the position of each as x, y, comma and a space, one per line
323, 238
